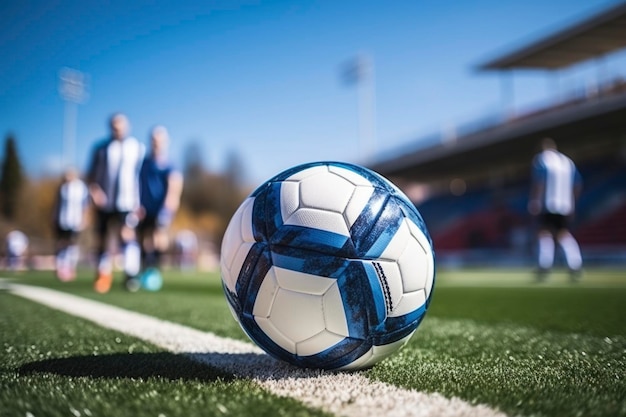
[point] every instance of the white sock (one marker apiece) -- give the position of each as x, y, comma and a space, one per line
546, 251
61, 259
104, 264
572, 251
132, 259
73, 253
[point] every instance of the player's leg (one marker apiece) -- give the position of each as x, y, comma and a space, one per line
131, 251
61, 255
546, 252
571, 250
148, 248
545, 245
12, 260
151, 278
73, 253
104, 274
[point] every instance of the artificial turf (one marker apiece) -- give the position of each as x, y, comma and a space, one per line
492, 337
53, 364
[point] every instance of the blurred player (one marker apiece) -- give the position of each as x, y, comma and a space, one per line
113, 180
556, 183
69, 219
160, 189
186, 244
17, 245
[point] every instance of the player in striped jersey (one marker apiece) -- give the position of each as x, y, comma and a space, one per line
113, 179
556, 183
69, 219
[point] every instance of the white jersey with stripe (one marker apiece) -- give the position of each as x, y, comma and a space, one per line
124, 160
73, 197
559, 176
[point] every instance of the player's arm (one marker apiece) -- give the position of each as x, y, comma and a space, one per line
96, 193
174, 191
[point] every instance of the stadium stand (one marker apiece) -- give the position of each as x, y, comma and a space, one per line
492, 156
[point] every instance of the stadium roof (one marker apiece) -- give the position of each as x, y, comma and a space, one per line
600, 34
591, 127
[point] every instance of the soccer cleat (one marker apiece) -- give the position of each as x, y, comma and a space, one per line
575, 275
541, 274
103, 282
151, 279
63, 274
132, 284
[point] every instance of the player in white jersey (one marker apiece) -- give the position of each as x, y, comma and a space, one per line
113, 180
17, 246
556, 184
69, 220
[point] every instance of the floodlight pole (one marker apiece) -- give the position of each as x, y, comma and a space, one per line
360, 71
366, 106
72, 87
69, 132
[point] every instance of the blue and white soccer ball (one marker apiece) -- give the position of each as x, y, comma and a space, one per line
328, 265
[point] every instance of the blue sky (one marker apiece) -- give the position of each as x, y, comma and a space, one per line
263, 78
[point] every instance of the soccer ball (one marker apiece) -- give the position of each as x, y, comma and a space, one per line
328, 265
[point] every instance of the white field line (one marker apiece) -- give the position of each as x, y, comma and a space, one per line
341, 393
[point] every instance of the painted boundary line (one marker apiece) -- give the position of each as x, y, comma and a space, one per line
341, 393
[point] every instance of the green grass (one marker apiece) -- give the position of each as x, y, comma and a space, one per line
56, 365
490, 336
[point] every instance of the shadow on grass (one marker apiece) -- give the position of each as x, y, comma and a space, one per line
203, 367
257, 366
161, 365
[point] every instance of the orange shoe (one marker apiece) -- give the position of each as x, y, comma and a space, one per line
102, 284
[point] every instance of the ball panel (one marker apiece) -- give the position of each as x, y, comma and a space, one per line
300, 282
360, 362
380, 352
334, 314
397, 245
289, 198
275, 335
350, 175
409, 302
313, 262
383, 230
379, 311
429, 259
357, 203
254, 269
377, 353
341, 354
430, 281
236, 232
318, 343
236, 265
265, 297
413, 265
395, 328
390, 280
298, 316
320, 241
336, 192
320, 220
307, 171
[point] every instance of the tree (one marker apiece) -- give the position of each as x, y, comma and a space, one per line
11, 180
